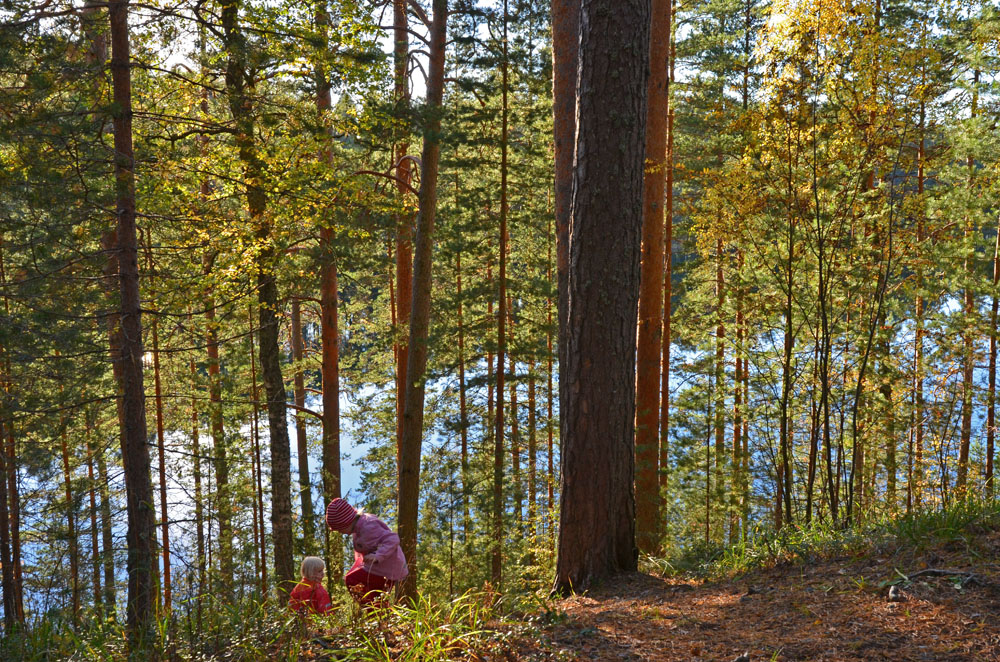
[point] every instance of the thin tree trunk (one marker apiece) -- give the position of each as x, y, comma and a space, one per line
259, 491
532, 451
199, 508
71, 530
650, 333
720, 380
6, 565
668, 251
496, 557
161, 452
516, 486
991, 393
135, 453
404, 219
463, 412
968, 326
739, 350
329, 327
413, 412
219, 443
550, 479
107, 541
8, 484
95, 549
918, 335
302, 445
597, 517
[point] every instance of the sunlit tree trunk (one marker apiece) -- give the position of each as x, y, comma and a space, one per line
95, 549
420, 310
161, 452
597, 517
650, 333
496, 557
565, 60
404, 219
668, 250
135, 453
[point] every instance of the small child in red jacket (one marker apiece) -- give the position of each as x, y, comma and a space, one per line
309, 596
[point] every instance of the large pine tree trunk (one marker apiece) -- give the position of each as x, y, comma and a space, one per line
135, 453
420, 310
650, 339
597, 519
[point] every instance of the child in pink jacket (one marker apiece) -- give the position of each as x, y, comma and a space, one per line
378, 561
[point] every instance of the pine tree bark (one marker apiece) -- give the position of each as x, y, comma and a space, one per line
330, 331
650, 338
420, 310
140, 535
565, 64
404, 219
597, 518
241, 106
668, 241
496, 557
161, 451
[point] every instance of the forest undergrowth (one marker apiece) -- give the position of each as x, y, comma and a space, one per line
817, 593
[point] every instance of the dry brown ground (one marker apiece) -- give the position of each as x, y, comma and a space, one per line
830, 611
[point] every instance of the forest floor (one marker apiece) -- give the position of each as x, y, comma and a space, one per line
834, 609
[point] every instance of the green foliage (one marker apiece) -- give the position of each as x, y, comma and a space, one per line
821, 541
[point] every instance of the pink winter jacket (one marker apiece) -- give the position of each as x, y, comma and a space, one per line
380, 546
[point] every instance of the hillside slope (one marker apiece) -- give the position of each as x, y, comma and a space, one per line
948, 610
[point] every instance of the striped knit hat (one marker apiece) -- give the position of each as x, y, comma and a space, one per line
340, 515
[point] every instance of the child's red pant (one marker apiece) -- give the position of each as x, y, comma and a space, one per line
366, 587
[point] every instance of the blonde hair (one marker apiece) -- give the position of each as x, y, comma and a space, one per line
313, 568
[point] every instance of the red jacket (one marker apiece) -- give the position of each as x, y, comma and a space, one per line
309, 597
